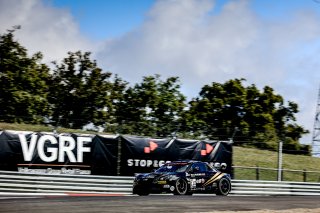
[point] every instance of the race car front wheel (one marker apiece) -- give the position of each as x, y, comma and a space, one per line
181, 187
139, 192
223, 187
143, 193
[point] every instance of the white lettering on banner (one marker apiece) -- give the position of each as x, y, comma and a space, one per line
27, 151
53, 151
145, 163
54, 171
63, 147
81, 148
66, 146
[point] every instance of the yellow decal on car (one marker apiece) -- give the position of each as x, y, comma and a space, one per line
215, 177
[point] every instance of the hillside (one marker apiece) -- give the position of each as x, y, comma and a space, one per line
249, 157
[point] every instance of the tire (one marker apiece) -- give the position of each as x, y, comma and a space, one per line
140, 192
143, 193
189, 193
181, 187
223, 187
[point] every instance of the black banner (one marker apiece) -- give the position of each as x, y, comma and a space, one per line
144, 154
103, 154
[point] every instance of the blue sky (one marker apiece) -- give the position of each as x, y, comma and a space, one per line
268, 42
101, 19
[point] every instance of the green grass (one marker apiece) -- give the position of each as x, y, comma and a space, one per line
249, 157
38, 128
244, 157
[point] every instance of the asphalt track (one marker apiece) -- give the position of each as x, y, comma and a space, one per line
155, 203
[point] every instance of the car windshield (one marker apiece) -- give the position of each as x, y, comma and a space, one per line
173, 168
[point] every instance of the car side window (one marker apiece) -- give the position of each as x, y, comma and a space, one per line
202, 167
199, 168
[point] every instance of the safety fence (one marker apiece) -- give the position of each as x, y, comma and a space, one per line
15, 183
271, 174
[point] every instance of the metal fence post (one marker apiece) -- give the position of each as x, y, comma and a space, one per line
280, 161
257, 173
304, 175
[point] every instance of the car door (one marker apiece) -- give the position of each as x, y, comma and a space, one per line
198, 176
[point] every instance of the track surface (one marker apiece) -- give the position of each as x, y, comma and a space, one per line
156, 203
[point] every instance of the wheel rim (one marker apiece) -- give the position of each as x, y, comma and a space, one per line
225, 186
181, 186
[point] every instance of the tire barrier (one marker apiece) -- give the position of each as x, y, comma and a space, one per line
15, 183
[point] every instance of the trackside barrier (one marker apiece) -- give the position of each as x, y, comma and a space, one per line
252, 187
15, 183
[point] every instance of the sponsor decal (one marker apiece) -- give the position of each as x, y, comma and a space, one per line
152, 146
193, 183
215, 177
208, 150
66, 146
162, 182
197, 174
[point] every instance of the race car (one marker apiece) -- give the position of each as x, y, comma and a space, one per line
183, 178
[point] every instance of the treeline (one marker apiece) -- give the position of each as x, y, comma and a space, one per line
76, 92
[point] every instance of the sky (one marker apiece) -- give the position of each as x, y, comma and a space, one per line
268, 42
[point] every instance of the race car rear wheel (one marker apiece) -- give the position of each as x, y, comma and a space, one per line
181, 187
223, 187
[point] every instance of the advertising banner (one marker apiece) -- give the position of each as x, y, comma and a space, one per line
104, 155
37, 152
58, 153
141, 155
10, 151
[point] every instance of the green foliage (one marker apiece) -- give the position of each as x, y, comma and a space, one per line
23, 80
79, 91
152, 107
260, 118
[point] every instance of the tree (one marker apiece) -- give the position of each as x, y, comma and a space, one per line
262, 118
80, 92
152, 107
218, 110
117, 97
24, 83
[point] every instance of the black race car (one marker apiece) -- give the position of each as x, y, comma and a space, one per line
183, 178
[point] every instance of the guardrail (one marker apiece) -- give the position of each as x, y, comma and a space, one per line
15, 183
47, 183
254, 187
